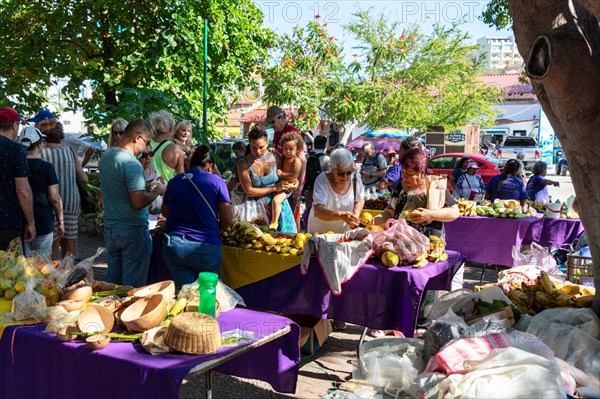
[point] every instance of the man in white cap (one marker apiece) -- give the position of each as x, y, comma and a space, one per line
16, 200
47, 204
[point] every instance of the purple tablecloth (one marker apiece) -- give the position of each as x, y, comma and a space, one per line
487, 240
553, 233
376, 297
38, 365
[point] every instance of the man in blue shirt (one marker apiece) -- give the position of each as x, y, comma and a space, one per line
16, 199
126, 201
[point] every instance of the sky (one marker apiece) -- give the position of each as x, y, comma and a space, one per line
282, 15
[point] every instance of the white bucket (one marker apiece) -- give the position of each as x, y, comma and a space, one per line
553, 210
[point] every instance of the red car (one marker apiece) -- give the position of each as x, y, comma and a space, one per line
444, 164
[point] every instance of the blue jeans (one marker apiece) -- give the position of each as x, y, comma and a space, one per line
185, 258
129, 250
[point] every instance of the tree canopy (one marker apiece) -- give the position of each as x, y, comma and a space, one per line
138, 56
397, 77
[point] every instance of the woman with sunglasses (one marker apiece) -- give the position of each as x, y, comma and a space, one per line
338, 196
117, 128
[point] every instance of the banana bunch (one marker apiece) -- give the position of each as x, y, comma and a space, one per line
435, 253
245, 235
466, 207
546, 294
538, 206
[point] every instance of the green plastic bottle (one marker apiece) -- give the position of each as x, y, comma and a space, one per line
207, 288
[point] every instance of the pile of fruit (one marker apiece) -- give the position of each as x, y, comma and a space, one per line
376, 203
506, 209
540, 207
547, 293
435, 253
246, 235
16, 271
466, 207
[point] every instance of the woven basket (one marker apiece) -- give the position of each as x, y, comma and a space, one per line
194, 333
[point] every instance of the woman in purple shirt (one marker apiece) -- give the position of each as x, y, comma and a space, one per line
196, 206
536, 186
507, 185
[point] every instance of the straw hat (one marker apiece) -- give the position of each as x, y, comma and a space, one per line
193, 333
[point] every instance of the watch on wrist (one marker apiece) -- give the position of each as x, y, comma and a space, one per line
60, 220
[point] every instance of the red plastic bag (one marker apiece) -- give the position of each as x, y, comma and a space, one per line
400, 238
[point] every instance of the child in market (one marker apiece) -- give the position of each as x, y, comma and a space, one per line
289, 172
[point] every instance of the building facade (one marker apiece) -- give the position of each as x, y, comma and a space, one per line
499, 53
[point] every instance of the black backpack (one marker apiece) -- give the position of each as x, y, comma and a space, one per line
313, 169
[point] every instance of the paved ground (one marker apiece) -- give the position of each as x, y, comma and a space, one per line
325, 370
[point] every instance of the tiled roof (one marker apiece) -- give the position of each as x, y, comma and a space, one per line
507, 82
258, 115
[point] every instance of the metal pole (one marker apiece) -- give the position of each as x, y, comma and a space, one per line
205, 93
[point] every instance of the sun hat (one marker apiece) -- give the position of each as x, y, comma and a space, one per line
30, 135
42, 115
472, 165
9, 115
273, 112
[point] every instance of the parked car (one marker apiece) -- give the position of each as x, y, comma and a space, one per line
561, 164
444, 164
512, 145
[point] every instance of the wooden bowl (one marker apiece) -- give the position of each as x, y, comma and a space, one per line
109, 304
145, 313
165, 288
71, 305
65, 334
95, 319
79, 294
97, 341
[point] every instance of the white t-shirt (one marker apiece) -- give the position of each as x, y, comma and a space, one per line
323, 194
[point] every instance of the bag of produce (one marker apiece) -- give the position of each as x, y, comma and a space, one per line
436, 191
27, 302
400, 238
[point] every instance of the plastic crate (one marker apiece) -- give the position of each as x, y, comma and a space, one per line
579, 266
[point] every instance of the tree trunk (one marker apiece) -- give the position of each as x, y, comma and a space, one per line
560, 41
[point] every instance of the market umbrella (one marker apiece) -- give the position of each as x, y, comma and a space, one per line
383, 139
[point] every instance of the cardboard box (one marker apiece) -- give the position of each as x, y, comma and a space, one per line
313, 332
503, 314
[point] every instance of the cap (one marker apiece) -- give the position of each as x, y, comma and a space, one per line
42, 115
472, 165
30, 135
272, 112
9, 115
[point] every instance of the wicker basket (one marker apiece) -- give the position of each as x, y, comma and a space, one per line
193, 333
579, 266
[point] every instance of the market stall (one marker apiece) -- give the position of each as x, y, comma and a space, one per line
553, 233
71, 369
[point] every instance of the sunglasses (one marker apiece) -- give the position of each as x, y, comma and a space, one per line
146, 154
281, 115
118, 132
341, 173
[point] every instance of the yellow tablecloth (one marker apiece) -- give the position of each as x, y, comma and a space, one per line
6, 321
241, 267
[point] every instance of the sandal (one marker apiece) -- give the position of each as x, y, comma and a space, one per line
339, 325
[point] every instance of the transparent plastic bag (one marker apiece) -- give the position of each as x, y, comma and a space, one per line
81, 271
251, 211
400, 238
27, 302
227, 297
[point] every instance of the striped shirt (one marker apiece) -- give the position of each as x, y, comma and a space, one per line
64, 162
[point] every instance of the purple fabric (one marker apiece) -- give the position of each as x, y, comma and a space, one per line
40, 366
487, 240
553, 233
376, 297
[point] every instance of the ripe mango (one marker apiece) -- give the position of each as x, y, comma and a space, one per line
389, 258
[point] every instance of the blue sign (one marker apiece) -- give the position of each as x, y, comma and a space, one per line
546, 138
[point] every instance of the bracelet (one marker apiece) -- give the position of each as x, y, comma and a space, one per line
60, 220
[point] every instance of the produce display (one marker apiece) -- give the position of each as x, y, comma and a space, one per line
548, 293
467, 207
505, 209
378, 204
246, 235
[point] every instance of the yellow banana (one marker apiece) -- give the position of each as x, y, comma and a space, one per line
584, 301
178, 307
572, 289
545, 299
546, 282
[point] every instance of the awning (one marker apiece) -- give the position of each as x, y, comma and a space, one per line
493, 132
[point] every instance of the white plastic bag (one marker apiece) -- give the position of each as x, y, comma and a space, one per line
251, 211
